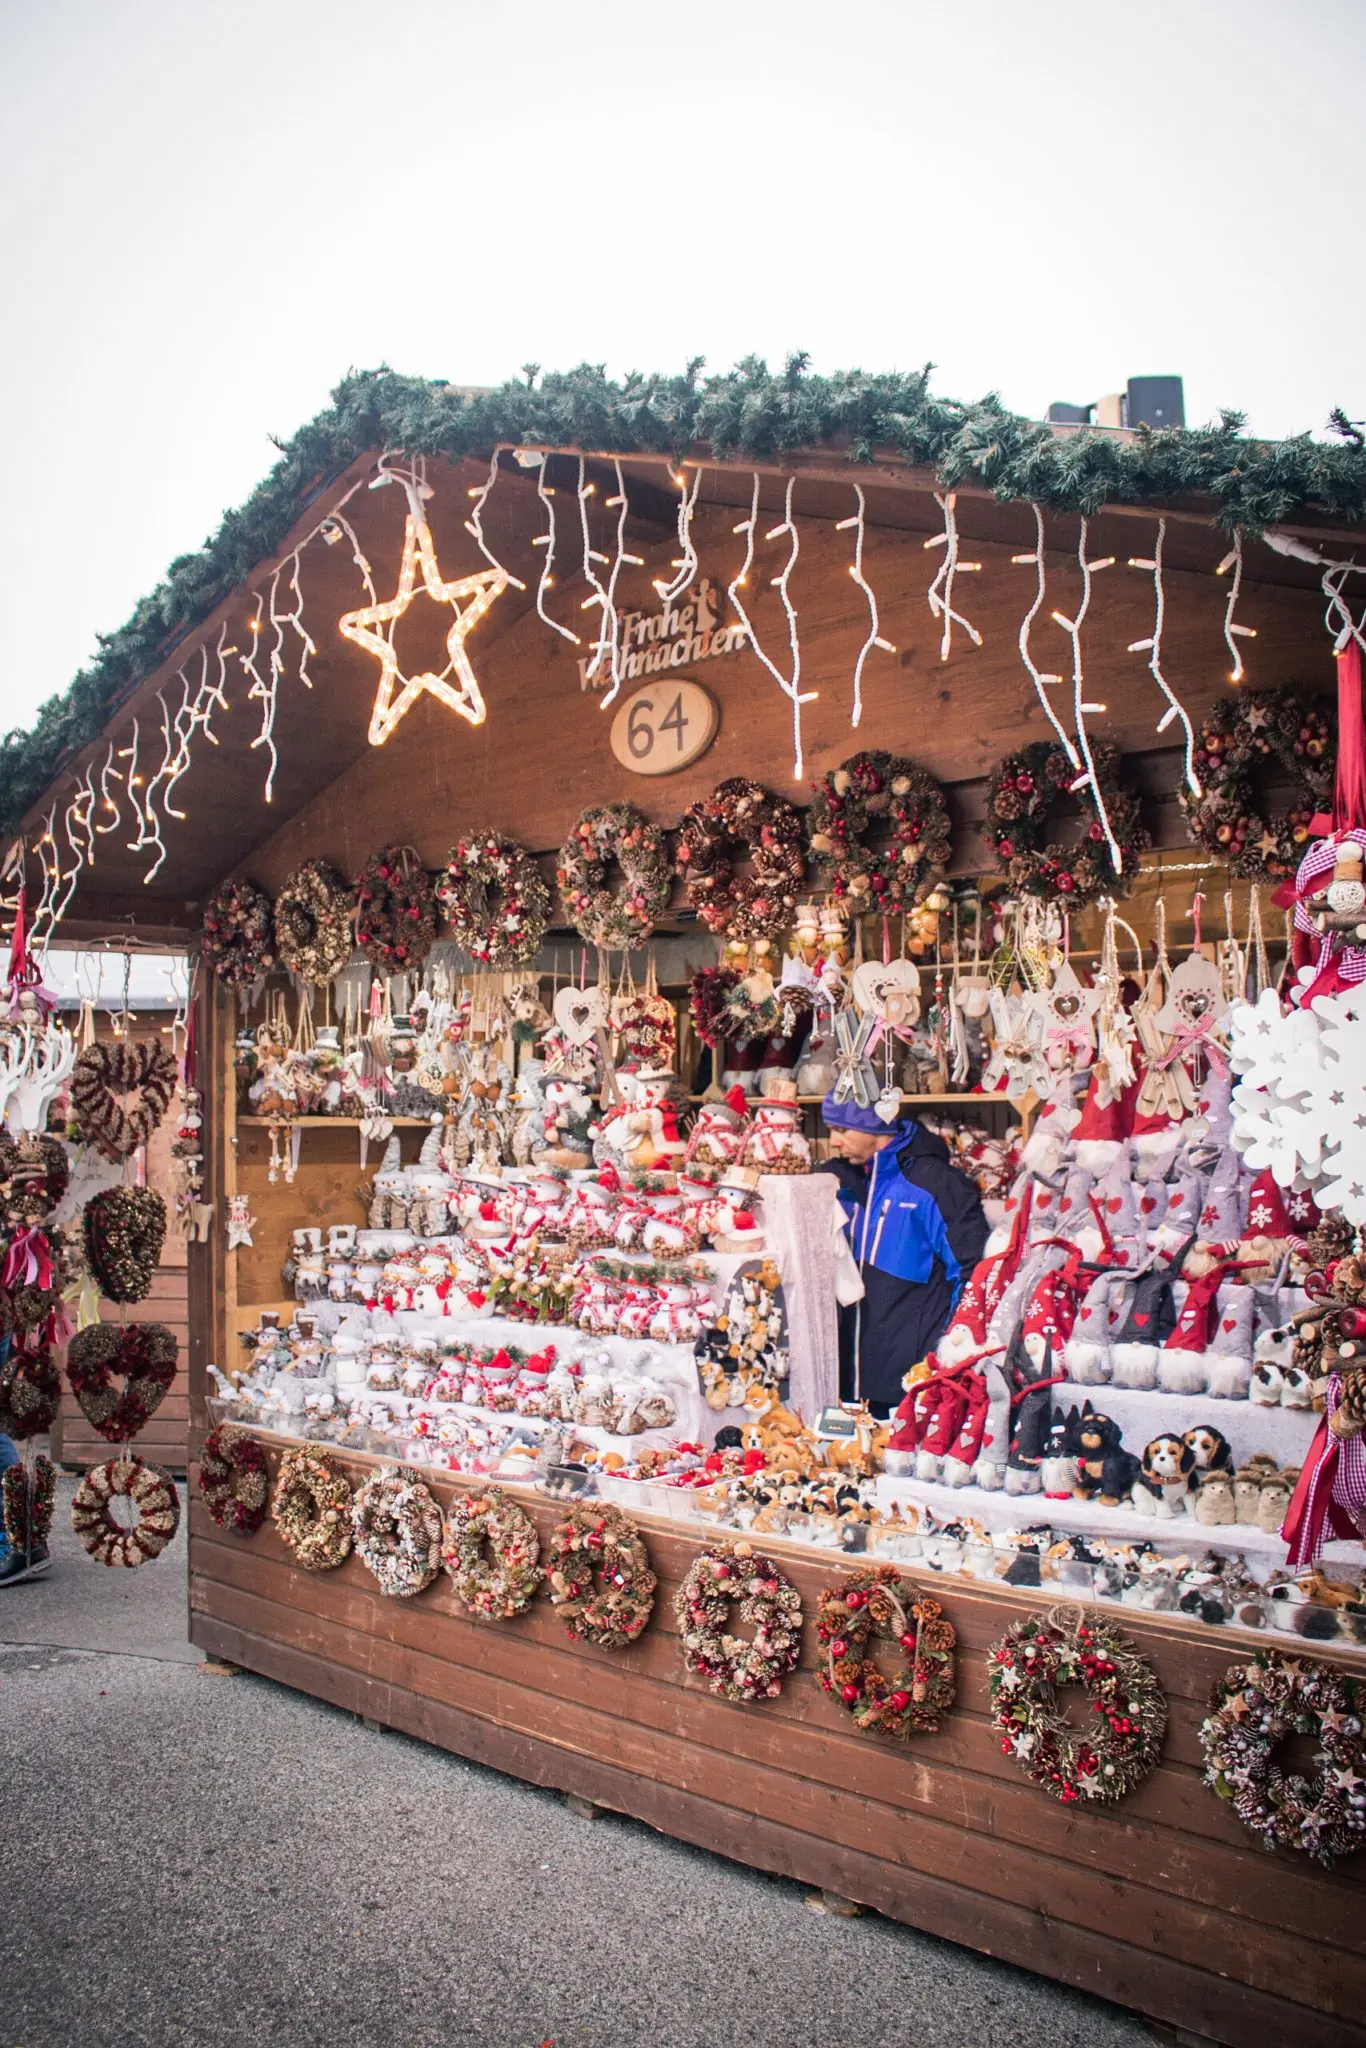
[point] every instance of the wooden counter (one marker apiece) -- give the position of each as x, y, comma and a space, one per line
1164, 1903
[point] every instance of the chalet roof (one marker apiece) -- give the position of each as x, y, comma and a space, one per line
789, 419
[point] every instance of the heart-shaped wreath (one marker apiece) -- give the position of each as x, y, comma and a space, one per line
30, 1392
137, 1067
35, 1172
125, 1229
143, 1353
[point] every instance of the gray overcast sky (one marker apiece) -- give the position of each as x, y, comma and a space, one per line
210, 209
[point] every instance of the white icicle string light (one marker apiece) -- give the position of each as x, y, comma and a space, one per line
791, 688
1232, 631
1338, 616
603, 643
1072, 627
262, 689
133, 783
545, 492
1153, 649
51, 875
107, 802
684, 564
66, 880
1036, 675
475, 523
149, 810
620, 559
294, 616
940, 593
874, 639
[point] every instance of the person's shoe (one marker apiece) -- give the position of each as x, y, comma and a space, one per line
18, 1565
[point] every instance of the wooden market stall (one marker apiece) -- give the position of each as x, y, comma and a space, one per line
1163, 1903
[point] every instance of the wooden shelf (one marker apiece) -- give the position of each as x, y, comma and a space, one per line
967, 1101
343, 1123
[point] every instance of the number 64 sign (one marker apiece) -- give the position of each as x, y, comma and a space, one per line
664, 727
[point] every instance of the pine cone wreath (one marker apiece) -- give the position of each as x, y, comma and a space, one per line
125, 1229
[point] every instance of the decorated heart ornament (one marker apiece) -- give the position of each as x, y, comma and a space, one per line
581, 1013
125, 1229
143, 1355
35, 1172
889, 989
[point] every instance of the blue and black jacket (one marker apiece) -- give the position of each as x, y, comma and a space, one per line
916, 1226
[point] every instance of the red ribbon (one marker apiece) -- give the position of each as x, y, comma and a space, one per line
29, 1259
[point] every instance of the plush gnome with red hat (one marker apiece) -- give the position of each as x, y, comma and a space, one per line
982, 1292
1329, 895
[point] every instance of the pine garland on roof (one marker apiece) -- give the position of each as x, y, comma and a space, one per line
749, 412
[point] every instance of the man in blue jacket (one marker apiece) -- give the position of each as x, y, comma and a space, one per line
916, 1227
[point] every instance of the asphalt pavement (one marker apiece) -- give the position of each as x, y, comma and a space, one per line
188, 1857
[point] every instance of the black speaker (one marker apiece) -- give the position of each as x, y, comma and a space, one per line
1155, 402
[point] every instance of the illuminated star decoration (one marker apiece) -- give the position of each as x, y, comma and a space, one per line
373, 629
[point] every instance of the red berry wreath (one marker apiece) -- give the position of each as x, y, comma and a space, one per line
143, 1355
495, 900
887, 794
880, 1605
600, 1577
26, 1502
740, 821
1021, 796
604, 834
239, 934
234, 1479
1277, 731
1117, 1745
395, 910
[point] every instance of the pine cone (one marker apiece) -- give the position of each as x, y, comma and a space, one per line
1331, 1238
1352, 1403
1349, 1279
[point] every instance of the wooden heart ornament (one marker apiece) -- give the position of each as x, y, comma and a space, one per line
143, 1355
125, 1229
889, 989
581, 1013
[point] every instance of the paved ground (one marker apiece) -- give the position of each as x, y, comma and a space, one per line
186, 1858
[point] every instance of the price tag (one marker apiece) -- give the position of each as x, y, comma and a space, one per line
665, 727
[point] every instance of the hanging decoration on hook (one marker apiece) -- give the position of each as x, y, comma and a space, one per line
372, 627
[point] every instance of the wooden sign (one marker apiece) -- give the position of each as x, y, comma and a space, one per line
664, 727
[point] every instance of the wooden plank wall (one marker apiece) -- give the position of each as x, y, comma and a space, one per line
1164, 1904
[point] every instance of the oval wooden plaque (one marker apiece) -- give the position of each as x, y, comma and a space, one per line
665, 726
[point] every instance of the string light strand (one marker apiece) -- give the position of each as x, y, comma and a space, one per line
790, 686
1072, 627
1153, 649
874, 638
940, 593
1232, 631
1036, 675
545, 492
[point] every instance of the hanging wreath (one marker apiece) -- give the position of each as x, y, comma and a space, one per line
151, 1492
30, 1392
1020, 799
495, 901
313, 912
142, 1354
882, 793
396, 1526
1243, 737
312, 1509
607, 833
600, 1577
879, 1605
769, 1603
38, 1271
741, 821
492, 1552
234, 1480
395, 910
35, 1172
27, 1498
1114, 1751
124, 1230
239, 934
1253, 1708
137, 1067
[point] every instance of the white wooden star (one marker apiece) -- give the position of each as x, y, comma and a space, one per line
372, 627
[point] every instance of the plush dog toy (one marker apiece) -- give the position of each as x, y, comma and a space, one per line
1166, 1477
1210, 1450
1105, 1470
